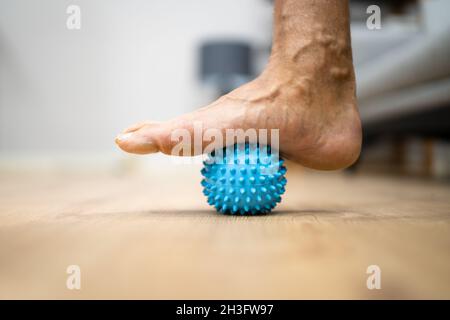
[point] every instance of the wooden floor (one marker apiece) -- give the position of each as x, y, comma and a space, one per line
153, 236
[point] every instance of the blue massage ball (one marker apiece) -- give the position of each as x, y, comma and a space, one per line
245, 179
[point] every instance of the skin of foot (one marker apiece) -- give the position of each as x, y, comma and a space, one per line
307, 91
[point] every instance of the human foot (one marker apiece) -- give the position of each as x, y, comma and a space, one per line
317, 118
307, 92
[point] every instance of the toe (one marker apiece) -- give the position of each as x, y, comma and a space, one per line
151, 137
138, 140
139, 125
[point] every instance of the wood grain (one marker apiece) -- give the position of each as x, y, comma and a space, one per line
153, 236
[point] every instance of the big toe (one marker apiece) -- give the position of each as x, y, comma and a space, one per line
141, 138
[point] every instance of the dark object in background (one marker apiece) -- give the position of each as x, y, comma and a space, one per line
225, 64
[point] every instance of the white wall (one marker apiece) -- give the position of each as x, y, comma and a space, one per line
71, 92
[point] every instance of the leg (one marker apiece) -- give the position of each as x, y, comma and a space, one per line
307, 91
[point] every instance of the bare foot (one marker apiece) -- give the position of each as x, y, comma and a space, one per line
307, 92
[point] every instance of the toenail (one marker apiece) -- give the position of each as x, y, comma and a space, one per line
123, 136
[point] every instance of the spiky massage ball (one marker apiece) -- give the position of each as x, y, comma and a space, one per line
244, 179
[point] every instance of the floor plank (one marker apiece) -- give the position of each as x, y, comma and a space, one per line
153, 236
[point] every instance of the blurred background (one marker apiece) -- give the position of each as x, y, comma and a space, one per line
139, 227
66, 93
